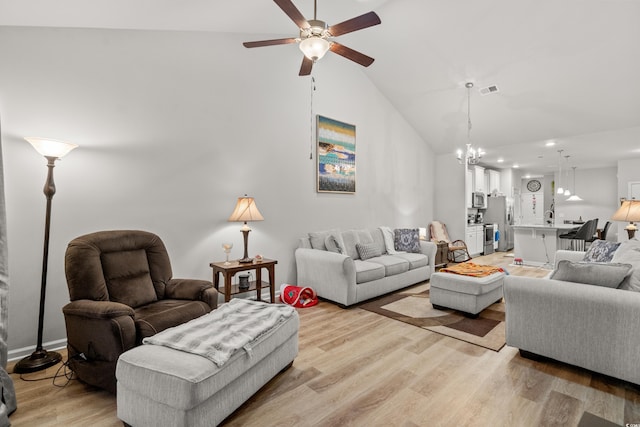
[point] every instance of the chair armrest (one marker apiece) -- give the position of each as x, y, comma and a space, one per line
101, 330
97, 309
331, 275
429, 249
192, 289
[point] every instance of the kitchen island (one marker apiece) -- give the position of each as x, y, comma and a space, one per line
537, 244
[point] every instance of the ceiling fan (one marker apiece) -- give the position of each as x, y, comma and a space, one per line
315, 36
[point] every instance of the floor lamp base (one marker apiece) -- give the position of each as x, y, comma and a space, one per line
37, 361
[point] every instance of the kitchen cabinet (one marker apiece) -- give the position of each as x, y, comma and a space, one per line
474, 238
468, 188
494, 181
478, 179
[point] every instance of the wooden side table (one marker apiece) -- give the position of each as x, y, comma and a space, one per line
228, 271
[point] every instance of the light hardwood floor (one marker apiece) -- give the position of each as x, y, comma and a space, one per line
358, 368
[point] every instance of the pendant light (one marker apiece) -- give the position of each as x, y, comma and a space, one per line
560, 189
575, 197
471, 156
567, 192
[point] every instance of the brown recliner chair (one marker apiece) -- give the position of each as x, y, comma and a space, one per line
121, 291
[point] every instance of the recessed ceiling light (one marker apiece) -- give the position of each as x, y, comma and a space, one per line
527, 176
500, 160
516, 166
550, 143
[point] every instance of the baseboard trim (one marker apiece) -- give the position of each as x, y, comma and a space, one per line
19, 353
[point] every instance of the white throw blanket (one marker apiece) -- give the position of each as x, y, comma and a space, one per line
220, 333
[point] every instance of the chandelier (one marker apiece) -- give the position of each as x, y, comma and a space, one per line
471, 156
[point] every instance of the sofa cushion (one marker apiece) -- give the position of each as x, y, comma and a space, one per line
609, 275
601, 251
153, 318
378, 239
368, 250
407, 239
367, 271
317, 238
350, 238
392, 264
128, 277
415, 260
387, 234
629, 252
334, 243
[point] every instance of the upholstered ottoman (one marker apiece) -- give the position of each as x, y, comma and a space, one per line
162, 386
465, 293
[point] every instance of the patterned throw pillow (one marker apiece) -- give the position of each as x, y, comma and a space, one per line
601, 251
368, 250
407, 239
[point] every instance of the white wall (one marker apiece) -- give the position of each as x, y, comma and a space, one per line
172, 127
450, 205
597, 188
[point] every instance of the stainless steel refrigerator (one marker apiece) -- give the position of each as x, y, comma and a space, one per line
500, 211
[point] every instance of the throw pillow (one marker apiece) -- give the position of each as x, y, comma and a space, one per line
609, 275
387, 233
368, 250
629, 252
601, 251
334, 243
317, 238
407, 239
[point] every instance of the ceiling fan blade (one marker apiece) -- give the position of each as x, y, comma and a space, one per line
354, 24
292, 12
274, 42
305, 69
351, 54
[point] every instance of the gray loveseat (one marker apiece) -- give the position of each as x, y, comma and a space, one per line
339, 274
593, 327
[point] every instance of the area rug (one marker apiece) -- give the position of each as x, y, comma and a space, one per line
412, 306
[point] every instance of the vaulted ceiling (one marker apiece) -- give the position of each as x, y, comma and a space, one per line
566, 71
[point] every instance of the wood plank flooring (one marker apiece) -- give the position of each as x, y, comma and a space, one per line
361, 369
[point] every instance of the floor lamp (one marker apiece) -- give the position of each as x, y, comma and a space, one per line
52, 150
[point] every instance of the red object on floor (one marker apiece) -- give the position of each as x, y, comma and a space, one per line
298, 296
517, 261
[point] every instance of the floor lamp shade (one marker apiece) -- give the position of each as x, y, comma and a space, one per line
52, 150
245, 210
629, 211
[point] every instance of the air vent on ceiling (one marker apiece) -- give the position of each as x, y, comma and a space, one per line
489, 89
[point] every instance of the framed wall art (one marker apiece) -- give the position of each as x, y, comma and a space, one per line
336, 156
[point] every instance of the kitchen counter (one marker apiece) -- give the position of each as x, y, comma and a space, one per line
562, 227
537, 244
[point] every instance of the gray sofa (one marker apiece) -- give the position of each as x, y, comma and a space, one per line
593, 327
345, 278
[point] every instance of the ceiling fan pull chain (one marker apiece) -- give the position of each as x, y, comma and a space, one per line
313, 89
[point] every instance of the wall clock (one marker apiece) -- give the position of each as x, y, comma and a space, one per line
534, 185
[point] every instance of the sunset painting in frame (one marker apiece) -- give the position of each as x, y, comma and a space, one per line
336, 156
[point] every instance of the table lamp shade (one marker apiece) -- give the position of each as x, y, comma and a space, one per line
629, 211
246, 210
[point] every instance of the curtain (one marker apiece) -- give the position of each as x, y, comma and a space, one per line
4, 267
7, 393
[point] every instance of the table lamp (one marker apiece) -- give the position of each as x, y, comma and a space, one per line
629, 211
245, 210
52, 150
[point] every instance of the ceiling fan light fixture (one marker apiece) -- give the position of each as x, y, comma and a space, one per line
314, 47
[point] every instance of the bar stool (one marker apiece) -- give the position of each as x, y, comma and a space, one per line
579, 238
